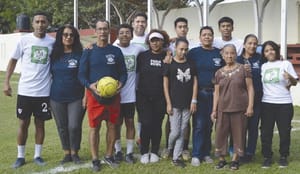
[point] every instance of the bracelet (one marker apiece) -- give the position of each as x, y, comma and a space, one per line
194, 101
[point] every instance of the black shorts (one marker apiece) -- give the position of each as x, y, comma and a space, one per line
39, 107
127, 110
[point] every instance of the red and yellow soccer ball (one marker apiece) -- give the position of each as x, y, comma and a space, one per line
107, 87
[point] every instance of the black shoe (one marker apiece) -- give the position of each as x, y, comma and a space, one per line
283, 162
118, 157
234, 165
19, 162
39, 161
179, 163
221, 165
76, 159
267, 163
66, 159
110, 161
96, 165
129, 158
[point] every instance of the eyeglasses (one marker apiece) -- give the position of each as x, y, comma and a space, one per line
68, 34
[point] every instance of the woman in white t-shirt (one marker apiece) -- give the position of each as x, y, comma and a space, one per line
277, 107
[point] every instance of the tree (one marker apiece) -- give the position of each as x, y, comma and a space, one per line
8, 15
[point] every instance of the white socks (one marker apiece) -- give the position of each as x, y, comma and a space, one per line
130, 146
37, 150
118, 146
21, 151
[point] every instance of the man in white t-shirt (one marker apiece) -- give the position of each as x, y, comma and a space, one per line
33, 51
226, 29
128, 98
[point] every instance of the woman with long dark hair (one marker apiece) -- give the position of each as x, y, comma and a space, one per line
66, 91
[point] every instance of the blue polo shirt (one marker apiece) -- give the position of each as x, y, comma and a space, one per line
65, 85
207, 63
98, 62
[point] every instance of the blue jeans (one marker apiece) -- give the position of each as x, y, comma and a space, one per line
202, 124
252, 128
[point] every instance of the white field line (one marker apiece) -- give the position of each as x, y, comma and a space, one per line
61, 169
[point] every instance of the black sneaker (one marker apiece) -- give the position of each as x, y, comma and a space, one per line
110, 161
96, 165
39, 161
179, 163
129, 158
19, 162
267, 163
283, 162
246, 159
66, 159
76, 159
118, 157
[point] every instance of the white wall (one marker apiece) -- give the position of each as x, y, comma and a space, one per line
242, 14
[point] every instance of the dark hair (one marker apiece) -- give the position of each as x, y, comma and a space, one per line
181, 39
162, 32
245, 40
58, 47
207, 28
274, 46
102, 20
225, 19
125, 26
42, 14
180, 19
142, 14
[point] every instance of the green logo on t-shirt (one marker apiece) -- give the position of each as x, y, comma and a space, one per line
39, 54
130, 62
271, 75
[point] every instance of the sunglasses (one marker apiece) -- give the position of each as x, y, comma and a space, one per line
68, 34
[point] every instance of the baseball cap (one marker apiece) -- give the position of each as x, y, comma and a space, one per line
156, 35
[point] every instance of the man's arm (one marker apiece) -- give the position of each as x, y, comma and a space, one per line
9, 71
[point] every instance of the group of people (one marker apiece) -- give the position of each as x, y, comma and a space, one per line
221, 81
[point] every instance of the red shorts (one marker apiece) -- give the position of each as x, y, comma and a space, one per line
98, 112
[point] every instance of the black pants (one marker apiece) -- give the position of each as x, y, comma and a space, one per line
282, 115
151, 113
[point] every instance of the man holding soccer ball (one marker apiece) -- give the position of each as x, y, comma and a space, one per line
102, 60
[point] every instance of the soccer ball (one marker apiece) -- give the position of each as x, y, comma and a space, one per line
107, 87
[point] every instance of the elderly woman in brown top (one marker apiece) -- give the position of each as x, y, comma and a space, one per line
233, 103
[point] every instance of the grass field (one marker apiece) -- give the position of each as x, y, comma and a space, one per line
52, 152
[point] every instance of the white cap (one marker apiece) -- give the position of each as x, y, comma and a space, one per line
156, 35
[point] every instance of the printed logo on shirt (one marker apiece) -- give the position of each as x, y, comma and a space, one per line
39, 54
130, 62
72, 63
183, 76
217, 61
255, 65
155, 63
20, 110
271, 75
110, 59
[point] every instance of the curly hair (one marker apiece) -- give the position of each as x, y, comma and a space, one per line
162, 32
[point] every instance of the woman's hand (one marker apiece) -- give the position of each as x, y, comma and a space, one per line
213, 116
193, 108
169, 109
249, 112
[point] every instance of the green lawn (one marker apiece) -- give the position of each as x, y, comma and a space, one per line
52, 152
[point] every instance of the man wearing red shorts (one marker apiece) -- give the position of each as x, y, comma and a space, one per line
102, 60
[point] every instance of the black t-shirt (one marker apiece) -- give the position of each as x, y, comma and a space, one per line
150, 74
181, 80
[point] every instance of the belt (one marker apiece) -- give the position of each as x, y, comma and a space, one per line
206, 88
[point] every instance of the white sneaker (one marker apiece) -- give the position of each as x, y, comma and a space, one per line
195, 162
153, 158
145, 158
208, 159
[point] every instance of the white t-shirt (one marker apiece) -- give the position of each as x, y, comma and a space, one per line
274, 84
219, 43
33, 54
140, 40
130, 56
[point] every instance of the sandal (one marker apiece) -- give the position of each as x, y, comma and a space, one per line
234, 165
221, 164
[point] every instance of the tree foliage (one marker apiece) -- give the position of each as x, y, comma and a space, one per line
61, 12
